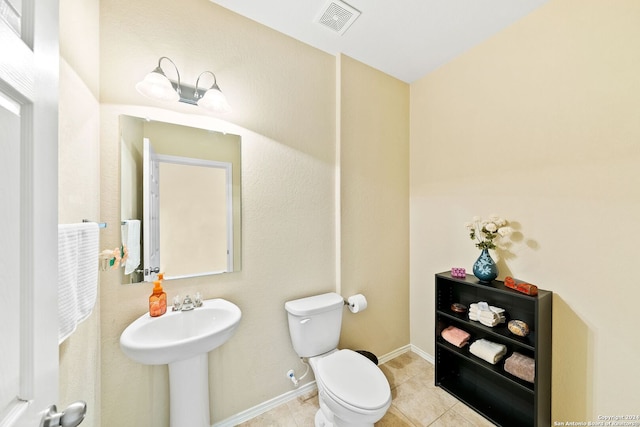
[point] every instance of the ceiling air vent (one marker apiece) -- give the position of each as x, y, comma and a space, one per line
337, 16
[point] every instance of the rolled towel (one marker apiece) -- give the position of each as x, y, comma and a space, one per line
488, 351
490, 323
493, 311
521, 366
491, 319
474, 312
496, 310
486, 314
455, 336
483, 306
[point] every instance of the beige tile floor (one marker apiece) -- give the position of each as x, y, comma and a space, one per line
417, 402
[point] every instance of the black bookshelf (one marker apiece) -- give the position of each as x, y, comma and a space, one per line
499, 396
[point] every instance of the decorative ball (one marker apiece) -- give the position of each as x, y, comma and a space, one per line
458, 272
518, 327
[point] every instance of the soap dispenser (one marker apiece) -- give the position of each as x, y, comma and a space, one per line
157, 300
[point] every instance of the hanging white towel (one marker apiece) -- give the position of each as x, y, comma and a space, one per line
78, 246
131, 238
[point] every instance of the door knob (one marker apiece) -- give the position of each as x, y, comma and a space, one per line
70, 417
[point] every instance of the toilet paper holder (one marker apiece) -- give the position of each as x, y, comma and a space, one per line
356, 303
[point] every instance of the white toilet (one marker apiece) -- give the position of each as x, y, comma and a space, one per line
352, 390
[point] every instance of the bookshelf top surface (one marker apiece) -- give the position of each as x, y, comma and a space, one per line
497, 285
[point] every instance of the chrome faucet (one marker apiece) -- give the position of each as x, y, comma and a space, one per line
177, 304
187, 304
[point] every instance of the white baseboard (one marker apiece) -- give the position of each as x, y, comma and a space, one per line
395, 353
266, 406
293, 394
426, 356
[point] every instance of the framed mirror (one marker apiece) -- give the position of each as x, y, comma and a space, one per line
180, 200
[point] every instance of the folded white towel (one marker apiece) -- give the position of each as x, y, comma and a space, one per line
488, 350
486, 314
131, 237
78, 246
483, 306
491, 323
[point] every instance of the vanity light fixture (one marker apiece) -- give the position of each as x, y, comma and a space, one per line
156, 85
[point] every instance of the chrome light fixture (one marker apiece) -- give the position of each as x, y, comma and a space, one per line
156, 85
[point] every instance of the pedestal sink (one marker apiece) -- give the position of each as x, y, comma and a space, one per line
182, 340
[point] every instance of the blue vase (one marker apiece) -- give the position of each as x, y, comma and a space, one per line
485, 269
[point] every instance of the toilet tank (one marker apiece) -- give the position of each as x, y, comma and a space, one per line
314, 323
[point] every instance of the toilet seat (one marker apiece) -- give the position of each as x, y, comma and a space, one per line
354, 381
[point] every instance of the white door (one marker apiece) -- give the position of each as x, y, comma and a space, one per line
150, 211
28, 210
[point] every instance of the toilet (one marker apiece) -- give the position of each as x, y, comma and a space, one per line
352, 390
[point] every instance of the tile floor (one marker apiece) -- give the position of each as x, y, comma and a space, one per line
416, 402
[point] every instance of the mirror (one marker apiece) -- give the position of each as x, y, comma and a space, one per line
180, 208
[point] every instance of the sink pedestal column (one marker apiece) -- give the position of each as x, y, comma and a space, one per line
189, 392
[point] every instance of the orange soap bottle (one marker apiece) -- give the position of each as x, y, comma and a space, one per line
157, 300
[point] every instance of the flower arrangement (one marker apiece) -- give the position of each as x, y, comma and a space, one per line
113, 258
485, 231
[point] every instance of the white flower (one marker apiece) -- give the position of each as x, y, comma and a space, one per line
485, 231
505, 231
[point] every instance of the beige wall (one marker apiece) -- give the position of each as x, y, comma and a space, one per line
374, 206
79, 186
79, 198
540, 125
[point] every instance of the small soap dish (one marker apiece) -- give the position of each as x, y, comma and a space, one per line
458, 308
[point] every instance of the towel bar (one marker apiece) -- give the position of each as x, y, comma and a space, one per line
100, 224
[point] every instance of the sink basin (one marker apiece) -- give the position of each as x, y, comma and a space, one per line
182, 340
180, 335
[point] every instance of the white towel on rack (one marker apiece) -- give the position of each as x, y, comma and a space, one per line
131, 238
78, 246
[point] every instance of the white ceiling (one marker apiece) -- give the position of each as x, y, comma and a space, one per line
406, 39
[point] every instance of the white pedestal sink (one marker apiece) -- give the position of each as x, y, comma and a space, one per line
182, 340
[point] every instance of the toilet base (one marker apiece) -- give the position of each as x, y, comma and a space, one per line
324, 416
322, 421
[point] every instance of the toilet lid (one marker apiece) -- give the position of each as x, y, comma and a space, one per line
354, 379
